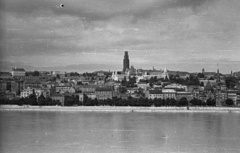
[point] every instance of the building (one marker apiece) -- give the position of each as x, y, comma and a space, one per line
38, 92
177, 87
187, 95
103, 93
234, 95
125, 62
26, 92
91, 95
169, 93
238, 99
59, 74
18, 72
163, 94
143, 85
152, 94
58, 97
11, 86
32, 84
208, 87
5, 75
86, 88
119, 76
159, 74
64, 89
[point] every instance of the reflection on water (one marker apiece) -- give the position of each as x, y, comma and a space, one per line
58, 132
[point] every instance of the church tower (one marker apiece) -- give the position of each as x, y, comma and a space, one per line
125, 61
218, 76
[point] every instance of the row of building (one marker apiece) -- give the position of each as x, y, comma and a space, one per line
106, 85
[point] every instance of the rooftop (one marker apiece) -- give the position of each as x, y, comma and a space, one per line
155, 92
17, 69
104, 89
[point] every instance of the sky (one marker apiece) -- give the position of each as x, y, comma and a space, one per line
89, 35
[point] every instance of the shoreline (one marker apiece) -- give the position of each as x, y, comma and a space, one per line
118, 109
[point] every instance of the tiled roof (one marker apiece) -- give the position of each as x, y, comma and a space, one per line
104, 89
208, 86
18, 69
155, 92
57, 95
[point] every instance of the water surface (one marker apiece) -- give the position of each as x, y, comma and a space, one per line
61, 132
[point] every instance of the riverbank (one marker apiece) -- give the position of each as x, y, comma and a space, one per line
117, 109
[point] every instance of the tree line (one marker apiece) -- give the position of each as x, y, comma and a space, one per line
145, 102
141, 102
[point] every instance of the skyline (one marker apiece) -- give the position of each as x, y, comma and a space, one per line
89, 35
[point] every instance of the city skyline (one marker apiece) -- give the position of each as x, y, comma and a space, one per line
89, 35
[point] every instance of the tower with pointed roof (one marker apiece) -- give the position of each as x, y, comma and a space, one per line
208, 87
125, 61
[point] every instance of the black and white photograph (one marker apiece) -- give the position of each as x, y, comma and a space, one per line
122, 76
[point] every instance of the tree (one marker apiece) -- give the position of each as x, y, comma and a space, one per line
122, 89
229, 102
200, 75
196, 102
33, 98
183, 101
58, 76
172, 102
211, 102
41, 100
211, 78
49, 101
69, 101
36, 73
231, 82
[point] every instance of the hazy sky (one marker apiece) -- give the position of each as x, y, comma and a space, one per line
88, 35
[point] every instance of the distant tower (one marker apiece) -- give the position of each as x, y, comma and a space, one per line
125, 62
203, 71
218, 76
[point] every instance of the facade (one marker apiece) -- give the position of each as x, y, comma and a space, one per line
59, 73
143, 85
125, 62
103, 93
234, 95
11, 86
91, 95
58, 97
86, 88
32, 84
64, 89
160, 74
163, 94
18, 72
5, 75
238, 99
119, 76
176, 87
169, 93
152, 94
26, 92
9, 95
187, 95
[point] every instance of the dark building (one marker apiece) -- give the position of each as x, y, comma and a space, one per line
125, 62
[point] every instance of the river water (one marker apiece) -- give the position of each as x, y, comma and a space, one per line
62, 132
